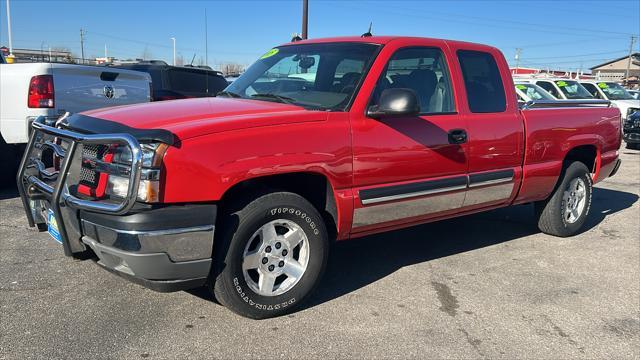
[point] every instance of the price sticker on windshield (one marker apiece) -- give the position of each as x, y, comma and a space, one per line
603, 85
561, 83
269, 53
521, 87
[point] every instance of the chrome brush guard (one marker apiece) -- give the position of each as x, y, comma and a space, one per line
37, 183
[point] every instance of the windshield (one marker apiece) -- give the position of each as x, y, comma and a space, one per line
573, 90
315, 76
614, 91
533, 92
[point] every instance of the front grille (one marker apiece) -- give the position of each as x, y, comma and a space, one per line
90, 153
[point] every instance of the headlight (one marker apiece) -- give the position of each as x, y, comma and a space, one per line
151, 154
149, 188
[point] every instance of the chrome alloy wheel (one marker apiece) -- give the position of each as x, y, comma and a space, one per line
575, 199
275, 257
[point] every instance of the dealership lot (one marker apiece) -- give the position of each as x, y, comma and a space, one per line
488, 285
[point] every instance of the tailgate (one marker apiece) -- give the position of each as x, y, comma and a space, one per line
80, 88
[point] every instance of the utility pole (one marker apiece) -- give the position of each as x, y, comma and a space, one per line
518, 52
9, 29
633, 40
82, 44
305, 19
174, 51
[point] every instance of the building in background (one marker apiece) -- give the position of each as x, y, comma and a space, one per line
616, 69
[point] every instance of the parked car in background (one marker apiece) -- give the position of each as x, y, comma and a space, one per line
180, 82
30, 90
560, 88
631, 131
319, 140
635, 94
528, 92
615, 93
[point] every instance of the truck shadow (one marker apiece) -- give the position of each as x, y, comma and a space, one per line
360, 262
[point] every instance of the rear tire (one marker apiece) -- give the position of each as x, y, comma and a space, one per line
565, 211
270, 255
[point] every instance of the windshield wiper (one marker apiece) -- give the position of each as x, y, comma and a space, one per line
228, 94
280, 98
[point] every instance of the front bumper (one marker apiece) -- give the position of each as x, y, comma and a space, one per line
164, 247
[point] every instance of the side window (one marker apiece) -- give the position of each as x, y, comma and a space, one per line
550, 88
485, 91
186, 81
423, 70
592, 90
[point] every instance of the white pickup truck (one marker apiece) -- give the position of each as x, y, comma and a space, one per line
29, 90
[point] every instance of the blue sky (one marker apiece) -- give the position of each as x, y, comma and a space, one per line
558, 34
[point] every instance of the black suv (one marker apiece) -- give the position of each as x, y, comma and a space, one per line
180, 82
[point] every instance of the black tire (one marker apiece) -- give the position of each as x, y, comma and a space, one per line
236, 231
551, 213
9, 160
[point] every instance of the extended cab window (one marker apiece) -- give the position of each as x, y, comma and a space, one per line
423, 70
592, 90
485, 92
550, 88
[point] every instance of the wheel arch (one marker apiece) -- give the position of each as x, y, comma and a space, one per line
313, 186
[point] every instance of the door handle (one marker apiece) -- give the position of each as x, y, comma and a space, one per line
457, 136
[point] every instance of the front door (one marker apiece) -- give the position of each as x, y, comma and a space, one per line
412, 168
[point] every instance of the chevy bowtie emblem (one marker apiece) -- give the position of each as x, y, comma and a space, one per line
108, 91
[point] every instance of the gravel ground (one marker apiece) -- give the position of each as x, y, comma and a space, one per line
483, 286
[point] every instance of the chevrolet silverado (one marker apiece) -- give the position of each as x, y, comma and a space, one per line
318, 141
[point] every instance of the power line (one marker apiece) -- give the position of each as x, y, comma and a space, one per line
573, 56
456, 20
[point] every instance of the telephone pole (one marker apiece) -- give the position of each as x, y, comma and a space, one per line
82, 44
305, 18
518, 52
633, 40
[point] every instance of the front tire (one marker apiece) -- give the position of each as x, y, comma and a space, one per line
270, 256
566, 210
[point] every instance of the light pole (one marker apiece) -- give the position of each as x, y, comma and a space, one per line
174, 51
9, 29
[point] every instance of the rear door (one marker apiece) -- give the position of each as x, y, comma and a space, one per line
409, 169
79, 88
495, 129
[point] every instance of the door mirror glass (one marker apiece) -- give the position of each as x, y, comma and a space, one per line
397, 102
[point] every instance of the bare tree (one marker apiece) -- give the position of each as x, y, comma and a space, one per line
231, 69
69, 58
146, 53
179, 60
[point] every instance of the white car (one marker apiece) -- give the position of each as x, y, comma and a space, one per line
30, 90
615, 93
528, 92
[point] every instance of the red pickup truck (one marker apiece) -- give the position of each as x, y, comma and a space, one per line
319, 140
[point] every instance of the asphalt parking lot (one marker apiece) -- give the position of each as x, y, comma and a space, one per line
483, 286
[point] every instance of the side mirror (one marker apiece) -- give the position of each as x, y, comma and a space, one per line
395, 103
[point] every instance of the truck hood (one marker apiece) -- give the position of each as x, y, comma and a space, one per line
195, 117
